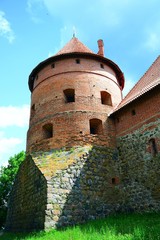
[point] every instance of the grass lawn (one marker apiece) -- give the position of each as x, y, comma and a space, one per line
120, 227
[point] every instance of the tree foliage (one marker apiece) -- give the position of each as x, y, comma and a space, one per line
7, 176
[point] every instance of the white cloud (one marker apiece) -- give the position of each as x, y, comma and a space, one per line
8, 143
5, 28
7, 147
14, 116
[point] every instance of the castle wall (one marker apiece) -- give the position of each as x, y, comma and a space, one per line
140, 167
85, 183
28, 198
87, 189
138, 144
142, 111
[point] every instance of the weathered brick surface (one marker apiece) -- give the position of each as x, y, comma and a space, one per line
71, 120
147, 109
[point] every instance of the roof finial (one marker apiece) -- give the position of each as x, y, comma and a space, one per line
74, 32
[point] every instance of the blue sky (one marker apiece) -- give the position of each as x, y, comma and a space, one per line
33, 30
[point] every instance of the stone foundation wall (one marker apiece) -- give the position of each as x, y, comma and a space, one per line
67, 187
85, 189
26, 207
140, 168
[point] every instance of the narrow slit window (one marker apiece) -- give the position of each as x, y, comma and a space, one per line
115, 180
106, 98
69, 95
78, 61
133, 112
102, 66
53, 65
48, 131
153, 147
96, 126
33, 109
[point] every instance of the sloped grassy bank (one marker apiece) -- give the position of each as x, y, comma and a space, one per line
118, 227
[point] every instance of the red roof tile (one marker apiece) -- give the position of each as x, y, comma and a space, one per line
148, 81
74, 45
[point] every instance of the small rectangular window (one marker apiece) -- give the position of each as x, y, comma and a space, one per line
133, 112
69, 95
96, 126
78, 61
102, 66
153, 147
48, 131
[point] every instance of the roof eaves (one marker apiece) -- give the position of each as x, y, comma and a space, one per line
145, 90
113, 65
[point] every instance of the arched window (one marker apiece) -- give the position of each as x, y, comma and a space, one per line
47, 131
106, 98
153, 147
96, 126
69, 95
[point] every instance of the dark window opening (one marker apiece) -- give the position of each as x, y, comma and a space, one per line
102, 66
48, 131
52, 65
115, 180
78, 61
133, 112
80, 132
33, 108
153, 146
69, 95
106, 98
96, 126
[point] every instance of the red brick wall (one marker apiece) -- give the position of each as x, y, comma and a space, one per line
71, 120
147, 112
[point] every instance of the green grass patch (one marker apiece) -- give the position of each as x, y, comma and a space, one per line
119, 227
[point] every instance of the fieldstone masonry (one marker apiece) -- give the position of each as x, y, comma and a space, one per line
72, 186
28, 199
139, 169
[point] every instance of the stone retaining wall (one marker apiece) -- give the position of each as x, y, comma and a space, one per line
28, 199
67, 187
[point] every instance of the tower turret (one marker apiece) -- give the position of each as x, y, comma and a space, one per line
72, 94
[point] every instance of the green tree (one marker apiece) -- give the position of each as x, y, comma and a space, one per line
7, 176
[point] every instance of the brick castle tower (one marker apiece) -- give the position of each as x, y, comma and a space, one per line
90, 153
72, 94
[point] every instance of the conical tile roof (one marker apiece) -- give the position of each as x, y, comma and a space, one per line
74, 46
